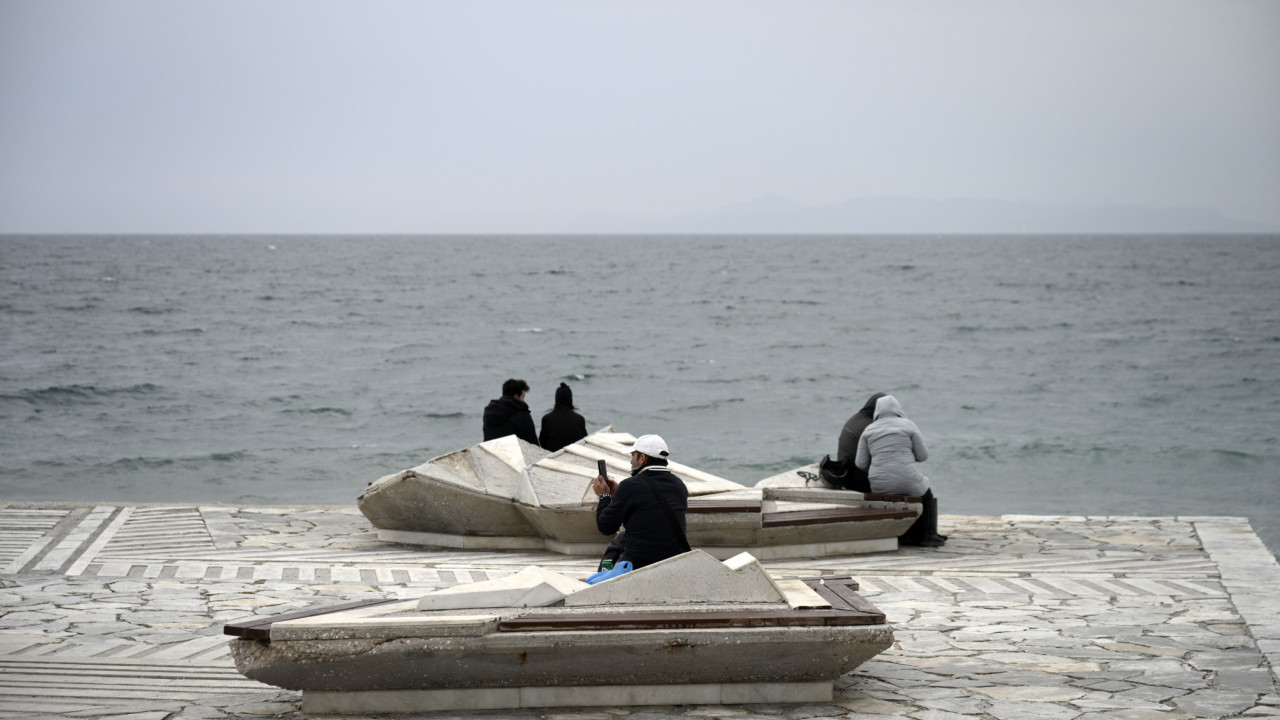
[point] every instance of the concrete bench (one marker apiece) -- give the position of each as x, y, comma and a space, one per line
259, 628
847, 608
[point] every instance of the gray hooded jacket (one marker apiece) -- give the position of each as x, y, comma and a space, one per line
889, 449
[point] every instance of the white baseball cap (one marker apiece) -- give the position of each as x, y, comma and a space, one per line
651, 445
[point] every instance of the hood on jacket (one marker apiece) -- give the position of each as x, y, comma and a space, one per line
869, 410
888, 406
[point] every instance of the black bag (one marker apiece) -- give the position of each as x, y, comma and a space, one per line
614, 551
838, 473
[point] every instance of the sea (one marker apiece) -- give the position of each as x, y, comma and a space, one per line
1053, 375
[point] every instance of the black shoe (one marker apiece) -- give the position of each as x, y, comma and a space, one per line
933, 541
940, 535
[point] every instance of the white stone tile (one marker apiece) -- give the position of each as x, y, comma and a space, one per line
799, 595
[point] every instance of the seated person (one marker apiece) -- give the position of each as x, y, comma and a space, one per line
888, 451
509, 415
562, 426
654, 532
844, 472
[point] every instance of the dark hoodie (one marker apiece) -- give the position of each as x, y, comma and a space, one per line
562, 426
848, 447
509, 416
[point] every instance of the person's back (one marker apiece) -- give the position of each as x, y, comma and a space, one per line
562, 426
854, 477
509, 414
889, 449
650, 534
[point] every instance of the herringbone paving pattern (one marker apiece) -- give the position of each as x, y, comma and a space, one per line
111, 609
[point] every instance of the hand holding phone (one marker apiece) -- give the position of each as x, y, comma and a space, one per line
602, 485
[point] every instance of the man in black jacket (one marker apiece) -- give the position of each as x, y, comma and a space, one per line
509, 415
562, 426
653, 533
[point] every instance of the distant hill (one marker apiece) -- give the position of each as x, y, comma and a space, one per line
775, 214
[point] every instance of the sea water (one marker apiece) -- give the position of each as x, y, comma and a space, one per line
1049, 375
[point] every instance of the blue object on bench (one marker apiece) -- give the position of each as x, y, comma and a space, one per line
618, 569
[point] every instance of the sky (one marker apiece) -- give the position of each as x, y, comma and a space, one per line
381, 116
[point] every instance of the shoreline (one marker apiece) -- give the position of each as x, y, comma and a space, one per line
1017, 616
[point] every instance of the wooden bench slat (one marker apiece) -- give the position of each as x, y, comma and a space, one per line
835, 515
723, 506
830, 596
847, 595
886, 497
259, 628
689, 620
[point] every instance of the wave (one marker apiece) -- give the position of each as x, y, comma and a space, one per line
444, 416
152, 332
136, 464
320, 411
706, 406
63, 395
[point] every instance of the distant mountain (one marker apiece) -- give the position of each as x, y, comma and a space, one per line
773, 213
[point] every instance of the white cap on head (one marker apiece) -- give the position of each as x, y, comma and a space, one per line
650, 445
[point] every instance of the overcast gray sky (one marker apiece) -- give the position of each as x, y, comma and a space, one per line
385, 116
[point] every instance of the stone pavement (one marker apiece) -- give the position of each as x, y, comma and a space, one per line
116, 611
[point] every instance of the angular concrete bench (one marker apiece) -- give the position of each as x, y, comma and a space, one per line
508, 494
688, 630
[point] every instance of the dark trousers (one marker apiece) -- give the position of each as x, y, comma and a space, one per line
926, 525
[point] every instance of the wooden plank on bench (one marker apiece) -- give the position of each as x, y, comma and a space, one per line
259, 628
700, 505
688, 620
886, 497
832, 515
844, 589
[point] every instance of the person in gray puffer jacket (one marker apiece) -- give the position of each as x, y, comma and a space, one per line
888, 450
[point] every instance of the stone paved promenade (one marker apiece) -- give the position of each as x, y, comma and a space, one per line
117, 610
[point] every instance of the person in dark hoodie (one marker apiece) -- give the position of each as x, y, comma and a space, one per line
509, 415
843, 471
562, 426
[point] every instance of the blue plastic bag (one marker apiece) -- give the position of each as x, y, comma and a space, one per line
618, 569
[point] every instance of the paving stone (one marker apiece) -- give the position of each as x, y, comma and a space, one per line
1033, 693
1012, 710
1131, 714
1258, 681
938, 715
1216, 703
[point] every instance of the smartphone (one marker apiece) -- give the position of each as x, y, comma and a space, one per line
604, 471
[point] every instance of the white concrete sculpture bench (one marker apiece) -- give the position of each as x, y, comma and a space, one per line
687, 630
508, 494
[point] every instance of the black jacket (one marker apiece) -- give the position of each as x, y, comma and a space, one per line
855, 478
561, 427
509, 416
650, 537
